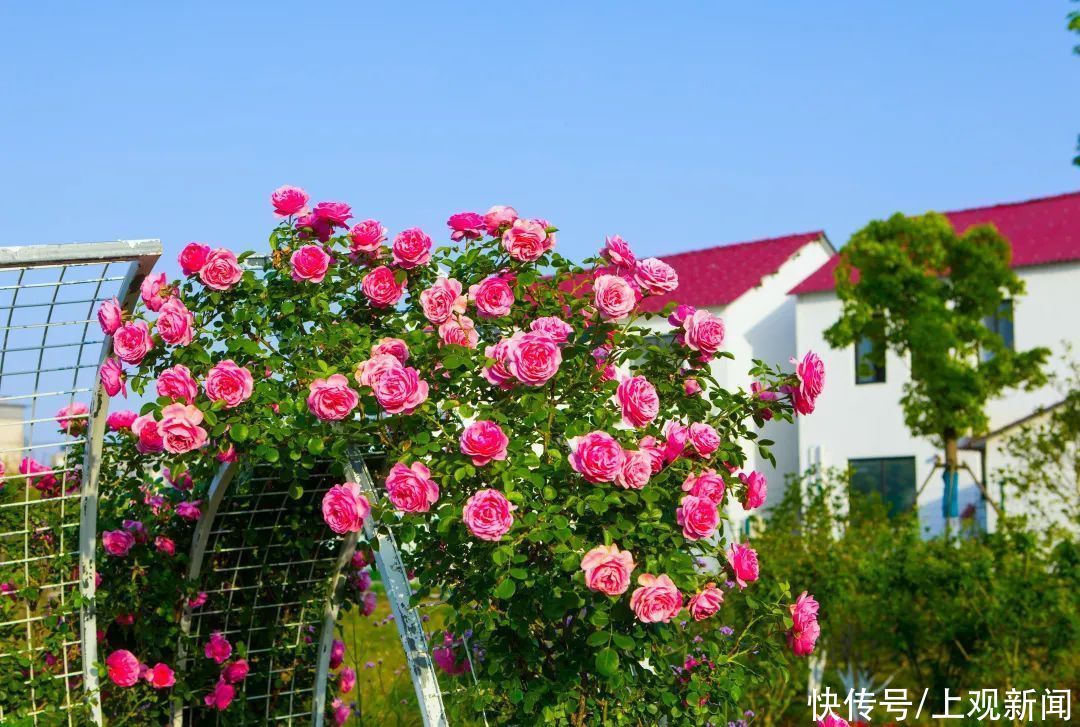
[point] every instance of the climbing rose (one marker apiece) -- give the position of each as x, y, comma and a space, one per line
310, 263
331, 399
614, 296
744, 563
656, 599
177, 383
345, 508
756, 489
703, 438
132, 341
399, 390
188, 510
121, 420
110, 315
175, 323
165, 545
558, 329
652, 448
466, 226
160, 676
235, 671
221, 271
151, 291
638, 400
340, 712
117, 542
618, 251
180, 430
493, 297
831, 720
484, 441
607, 569
597, 456
497, 373
193, 257
218, 648
393, 346
811, 373
148, 431
198, 600
532, 358
805, 630
337, 653
381, 288
411, 248
460, 331
708, 485
636, 470
112, 377
704, 332
656, 276
221, 697
411, 488
698, 516
526, 240
488, 515
72, 418
442, 300
346, 680
691, 387
123, 668
365, 237
705, 604
229, 383
498, 217
288, 200
336, 214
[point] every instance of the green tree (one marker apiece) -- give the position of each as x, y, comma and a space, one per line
926, 292
1074, 26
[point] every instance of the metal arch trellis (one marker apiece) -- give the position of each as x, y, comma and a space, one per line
48, 298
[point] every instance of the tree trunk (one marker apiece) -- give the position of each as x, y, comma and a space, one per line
952, 472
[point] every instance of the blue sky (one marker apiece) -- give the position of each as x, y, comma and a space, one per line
695, 125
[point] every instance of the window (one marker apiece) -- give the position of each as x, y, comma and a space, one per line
1001, 323
891, 477
870, 358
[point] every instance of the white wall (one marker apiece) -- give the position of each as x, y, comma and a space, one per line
856, 421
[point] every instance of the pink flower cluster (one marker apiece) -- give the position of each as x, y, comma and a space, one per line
344, 508
398, 388
125, 671
531, 358
805, 630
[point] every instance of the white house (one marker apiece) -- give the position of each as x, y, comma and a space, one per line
859, 422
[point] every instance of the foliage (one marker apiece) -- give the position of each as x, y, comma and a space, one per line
292, 359
1074, 26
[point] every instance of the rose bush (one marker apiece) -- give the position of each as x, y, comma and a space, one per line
556, 479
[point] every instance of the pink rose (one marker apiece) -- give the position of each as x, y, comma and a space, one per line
488, 515
154, 291
497, 372
336, 214
804, 631
704, 439
614, 296
198, 600
760, 392
466, 226
229, 383
526, 240
148, 431
399, 390
221, 696
656, 599
177, 383
346, 680
698, 516
831, 720
366, 237
112, 377
193, 257
618, 251
676, 436
532, 358
72, 418
392, 346
371, 369
218, 648
160, 676
707, 485
459, 331
498, 217
288, 200
165, 545
180, 430
558, 329
411, 248
345, 508
381, 288
493, 297
655, 276
337, 653
175, 323
743, 562
639, 401
235, 671
636, 470
597, 456
221, 270
110, 315
331, 399
805, 609
117, 542
607, 569
132, 341
310, 263
442, 300
705, 604
811, 374
119, 421
691, 387
484, 441
655, 452
189, 510
123, 668
340, 712
411, 488
756, 490
704, 332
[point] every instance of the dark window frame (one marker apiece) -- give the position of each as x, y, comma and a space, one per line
870, 359
900, 497
1003, 323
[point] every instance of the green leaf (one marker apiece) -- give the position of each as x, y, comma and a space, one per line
238, 432
607, 662
506, 589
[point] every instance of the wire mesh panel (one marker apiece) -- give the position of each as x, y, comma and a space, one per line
50, 350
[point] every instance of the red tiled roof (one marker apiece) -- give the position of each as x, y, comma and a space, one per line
718, 275
1042, 231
